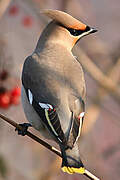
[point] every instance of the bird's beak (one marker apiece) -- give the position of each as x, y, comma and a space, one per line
93, 30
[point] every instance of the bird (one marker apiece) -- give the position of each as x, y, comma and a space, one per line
53, 86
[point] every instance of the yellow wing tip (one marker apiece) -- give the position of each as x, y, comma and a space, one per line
71, 170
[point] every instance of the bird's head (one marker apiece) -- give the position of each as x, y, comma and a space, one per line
65, 29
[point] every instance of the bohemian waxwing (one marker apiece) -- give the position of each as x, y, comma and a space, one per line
53, 86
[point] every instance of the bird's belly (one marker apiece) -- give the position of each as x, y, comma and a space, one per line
33, 117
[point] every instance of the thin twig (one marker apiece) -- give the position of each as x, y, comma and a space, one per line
114, 74
32, 136
103, 80
94, 110
3, 6
48, 146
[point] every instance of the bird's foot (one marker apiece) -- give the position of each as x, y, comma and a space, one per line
24, 129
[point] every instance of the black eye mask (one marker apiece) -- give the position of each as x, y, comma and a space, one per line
76, 32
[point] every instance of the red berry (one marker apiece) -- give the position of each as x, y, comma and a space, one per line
15, 100
27, 21
14, 10
16, 91
5, 100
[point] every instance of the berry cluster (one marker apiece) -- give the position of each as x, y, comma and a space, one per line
8, 98
27, 21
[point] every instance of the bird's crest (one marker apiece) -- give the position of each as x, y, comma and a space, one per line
65, 19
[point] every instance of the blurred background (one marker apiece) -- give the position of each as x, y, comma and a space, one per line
20, 26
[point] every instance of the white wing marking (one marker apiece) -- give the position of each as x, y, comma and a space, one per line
30, 96
80, 116
45, 106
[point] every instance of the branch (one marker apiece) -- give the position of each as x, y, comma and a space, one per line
97, 74
48, 146
3, 6
114, 75
94, 110
29, 134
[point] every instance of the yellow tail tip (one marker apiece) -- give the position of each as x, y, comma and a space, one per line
71, 170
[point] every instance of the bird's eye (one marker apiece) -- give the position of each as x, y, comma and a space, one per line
75, 32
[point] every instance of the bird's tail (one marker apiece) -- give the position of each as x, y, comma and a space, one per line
71, 162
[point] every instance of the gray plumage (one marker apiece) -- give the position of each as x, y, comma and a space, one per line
54, 76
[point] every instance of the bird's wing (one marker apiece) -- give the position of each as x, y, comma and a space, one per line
49, 117
44, 102
78, 111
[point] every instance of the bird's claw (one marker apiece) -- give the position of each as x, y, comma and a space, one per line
24, 129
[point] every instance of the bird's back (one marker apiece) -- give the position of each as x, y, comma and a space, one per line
55, 78
53, 71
